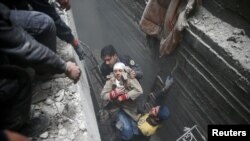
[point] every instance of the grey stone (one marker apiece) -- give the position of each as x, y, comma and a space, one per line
71, 136
72, 89
62, 132
60, 96
61, 92
48, 109
36, 114
60, 107
44, 135
60, 126
82, 127
49, 101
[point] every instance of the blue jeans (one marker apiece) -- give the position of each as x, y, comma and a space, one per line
37, 24
126, 125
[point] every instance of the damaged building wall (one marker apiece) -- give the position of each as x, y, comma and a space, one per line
212, 72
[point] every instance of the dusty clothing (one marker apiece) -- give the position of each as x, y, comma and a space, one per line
133, 90
166, 19
62, 30
128, 61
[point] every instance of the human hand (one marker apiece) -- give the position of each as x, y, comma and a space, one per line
169, 81
73, 71
64, 4
13, 136
113, 95
75, 42
182, 23
123, 97
189, 7
132, 74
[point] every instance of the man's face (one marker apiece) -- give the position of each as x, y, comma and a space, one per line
118, 74
110, 60
154, 111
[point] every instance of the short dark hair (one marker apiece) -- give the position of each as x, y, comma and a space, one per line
108, 50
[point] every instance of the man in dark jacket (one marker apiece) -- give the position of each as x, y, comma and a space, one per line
62, 30
110, 57
19, 50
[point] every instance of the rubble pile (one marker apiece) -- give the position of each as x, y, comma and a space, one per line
233, 40
58, 97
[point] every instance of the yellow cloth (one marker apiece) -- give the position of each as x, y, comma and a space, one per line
146, 128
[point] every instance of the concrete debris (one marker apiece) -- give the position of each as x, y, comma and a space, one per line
62, 132
60, 95
49, 110
72, 89
82, 127
239, 32
61, 102
36, 114
44, 135
233, 41
60, 107
49, 101
60, 126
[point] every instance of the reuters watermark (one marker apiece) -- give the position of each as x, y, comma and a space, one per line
236, 132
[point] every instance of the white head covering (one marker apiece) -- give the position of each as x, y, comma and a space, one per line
119, 66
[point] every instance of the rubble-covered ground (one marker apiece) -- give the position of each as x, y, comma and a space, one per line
233, 40
60, 99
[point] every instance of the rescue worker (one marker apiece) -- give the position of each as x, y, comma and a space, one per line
122, 91
18, 50
110, 56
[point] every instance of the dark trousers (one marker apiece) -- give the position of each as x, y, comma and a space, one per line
37, 24
15, 97
62, 30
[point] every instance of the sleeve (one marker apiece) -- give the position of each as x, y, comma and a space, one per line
16, 42
136, 89
134, 66
104, 71
62, 30
106, 89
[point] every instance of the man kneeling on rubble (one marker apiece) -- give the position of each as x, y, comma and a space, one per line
122, 90
18, 50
